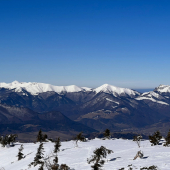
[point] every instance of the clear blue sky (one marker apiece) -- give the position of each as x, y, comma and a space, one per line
125, 43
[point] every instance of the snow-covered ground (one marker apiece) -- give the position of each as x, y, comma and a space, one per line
76, 157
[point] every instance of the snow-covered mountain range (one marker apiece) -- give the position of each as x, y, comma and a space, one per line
36, 88
103, 107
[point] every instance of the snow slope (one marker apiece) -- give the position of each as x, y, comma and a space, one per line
163, 89
76, 157
152, 96
115, 90
153, 100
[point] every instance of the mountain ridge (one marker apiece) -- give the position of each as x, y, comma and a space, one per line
104, 107
36, 88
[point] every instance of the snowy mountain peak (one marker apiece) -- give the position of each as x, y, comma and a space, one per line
162, 88
105, 88
115, 90
15, 82
36, 88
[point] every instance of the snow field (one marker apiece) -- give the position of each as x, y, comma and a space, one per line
76, 157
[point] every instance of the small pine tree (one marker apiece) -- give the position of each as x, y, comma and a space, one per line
20, 154
98, 156
8, 139
45, 137
107, 134
4, 141
167, 139
80, 137
155, 138
57, 145
38, 156
40, 136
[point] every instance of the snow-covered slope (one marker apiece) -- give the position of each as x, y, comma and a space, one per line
163, 89
151, 99
154, 97
35, 88
115, 90
76, 157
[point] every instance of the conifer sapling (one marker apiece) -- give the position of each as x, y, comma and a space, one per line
40, 136
98, 156
155, 138
57, 145
167, 139
80, 137
107, 133
20, 154
39, 156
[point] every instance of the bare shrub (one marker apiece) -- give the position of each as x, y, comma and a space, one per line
139, 155
137, 139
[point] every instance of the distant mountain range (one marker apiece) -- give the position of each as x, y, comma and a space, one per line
29, 106
37, 88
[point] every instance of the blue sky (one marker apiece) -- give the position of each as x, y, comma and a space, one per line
125, 43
